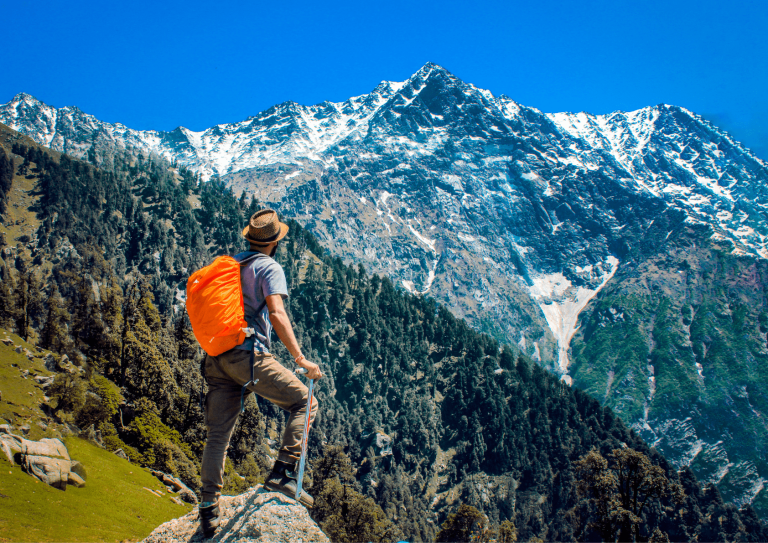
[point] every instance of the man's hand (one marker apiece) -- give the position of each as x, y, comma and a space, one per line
284, 330
313, 370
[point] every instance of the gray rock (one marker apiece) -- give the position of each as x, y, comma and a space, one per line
6, 428
7, 341
75, 480
121, 454
47, 460
93, 435
44, 381
52, 471
79, 469
256, 515
18, 348
50, 362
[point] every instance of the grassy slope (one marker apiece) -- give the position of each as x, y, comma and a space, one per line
22, 399
113, 506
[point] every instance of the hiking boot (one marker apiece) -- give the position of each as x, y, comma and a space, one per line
283, 479
209, 518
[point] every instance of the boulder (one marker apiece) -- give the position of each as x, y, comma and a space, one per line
78, 469
51, 471
383, 443
18, 348
44, 381
50, 362
256, 515
121, 454
47, 460
7, 341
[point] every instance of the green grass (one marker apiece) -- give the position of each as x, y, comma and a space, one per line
113, 506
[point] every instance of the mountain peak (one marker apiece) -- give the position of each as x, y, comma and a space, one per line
429, 70
25, 97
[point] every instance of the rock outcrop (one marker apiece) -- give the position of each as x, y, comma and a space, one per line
256, 515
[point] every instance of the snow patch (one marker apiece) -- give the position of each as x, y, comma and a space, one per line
292, 175
561, 304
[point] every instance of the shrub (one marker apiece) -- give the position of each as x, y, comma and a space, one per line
112, 442
68, 393
170, 459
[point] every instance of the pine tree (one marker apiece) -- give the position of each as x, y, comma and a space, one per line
187, 346
6, 179
8, 303
109, 344
53, 335
22, 297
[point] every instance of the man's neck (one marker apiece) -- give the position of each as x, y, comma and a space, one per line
262, 250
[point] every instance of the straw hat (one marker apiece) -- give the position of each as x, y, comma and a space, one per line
265, 228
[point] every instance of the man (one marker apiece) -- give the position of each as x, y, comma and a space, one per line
251, 368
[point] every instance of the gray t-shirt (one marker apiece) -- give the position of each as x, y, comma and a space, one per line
260, 277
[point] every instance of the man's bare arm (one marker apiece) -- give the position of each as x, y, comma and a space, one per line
284, 330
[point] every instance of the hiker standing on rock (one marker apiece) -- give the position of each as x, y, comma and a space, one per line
249, 367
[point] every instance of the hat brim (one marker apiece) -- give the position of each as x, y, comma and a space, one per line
281, 235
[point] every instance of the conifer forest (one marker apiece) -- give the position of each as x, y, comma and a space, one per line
428, 430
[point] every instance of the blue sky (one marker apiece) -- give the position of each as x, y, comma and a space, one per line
163, 64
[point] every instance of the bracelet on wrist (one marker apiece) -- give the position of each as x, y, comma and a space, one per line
296, 360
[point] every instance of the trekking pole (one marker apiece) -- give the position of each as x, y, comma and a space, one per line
304, 439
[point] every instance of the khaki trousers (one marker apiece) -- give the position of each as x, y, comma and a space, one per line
226, 374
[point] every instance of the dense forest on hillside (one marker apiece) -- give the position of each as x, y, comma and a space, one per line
469, 420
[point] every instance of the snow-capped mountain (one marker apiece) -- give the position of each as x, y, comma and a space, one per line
436, 144
515, 219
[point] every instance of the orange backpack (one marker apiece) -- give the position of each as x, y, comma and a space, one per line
215, 306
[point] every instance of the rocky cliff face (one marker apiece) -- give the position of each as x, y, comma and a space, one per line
515, 219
